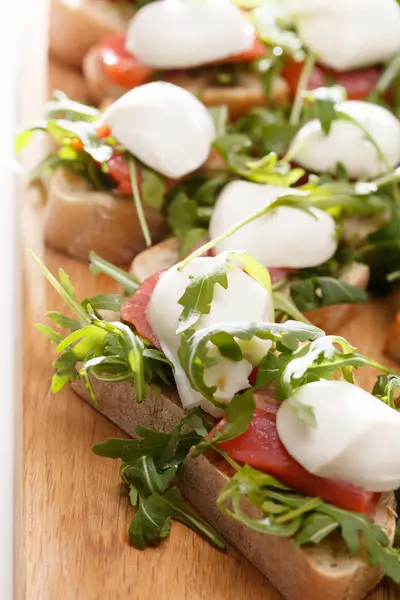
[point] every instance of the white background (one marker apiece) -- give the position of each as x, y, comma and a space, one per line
10, 273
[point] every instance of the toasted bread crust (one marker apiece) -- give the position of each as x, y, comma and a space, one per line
239, 98
330, 318
314, 573
77, 26
68, 80
78, 220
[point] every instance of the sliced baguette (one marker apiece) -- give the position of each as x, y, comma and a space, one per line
77, 25
330, 318
323, 572
78, 220
68, 80
239, 98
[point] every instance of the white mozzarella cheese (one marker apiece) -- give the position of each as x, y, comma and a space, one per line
356, 439
287, 237
179, 34
346, 142
243, 300
348, 34
164, 126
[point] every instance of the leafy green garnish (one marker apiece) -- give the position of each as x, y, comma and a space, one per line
126, 280
184, 220
193, 352
138, 202
387, 388
97, 348
316, 292
322, 102
149, 468
200, 291
197, 298
153, 188
286, 513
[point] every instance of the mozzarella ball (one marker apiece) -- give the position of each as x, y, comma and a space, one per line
164, 126
287, 237
356, 438
346, 142
179, 34
348, 34
244, 300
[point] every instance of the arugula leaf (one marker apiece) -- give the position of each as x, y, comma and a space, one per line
382, 251
63, 287
54, 336
145, 476
285, 306
286, 513
111, 302
268, 130
270, 367
167, 449
126, 280
316, 527
194, 347
239, 412
386, 389
71, 110
63, 321
138, 201
153, 520
197, 298
183, 218
220, 117
322, 102
149, 467
153, 188
320, 358
151, 523
24, 136
316, 292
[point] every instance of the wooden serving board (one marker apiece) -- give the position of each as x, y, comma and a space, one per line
74, 542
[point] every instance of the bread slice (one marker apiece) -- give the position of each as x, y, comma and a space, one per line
68, 80
238, 98
79, 219
323, 572
330, 318
77, 25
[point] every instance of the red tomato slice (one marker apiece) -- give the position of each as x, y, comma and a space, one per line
358, 83
119, 172
260, 447
256, 51
134, 310
121, 67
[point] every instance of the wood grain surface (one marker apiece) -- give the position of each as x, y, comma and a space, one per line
74, 543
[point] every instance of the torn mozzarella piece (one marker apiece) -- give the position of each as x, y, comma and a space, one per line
243, 300
346, 143
348, 34
287, 237
164, 126
180, 34
356, 439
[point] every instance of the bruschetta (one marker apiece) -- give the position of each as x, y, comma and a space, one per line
210, 49
77, 26
103, 196
268, 387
